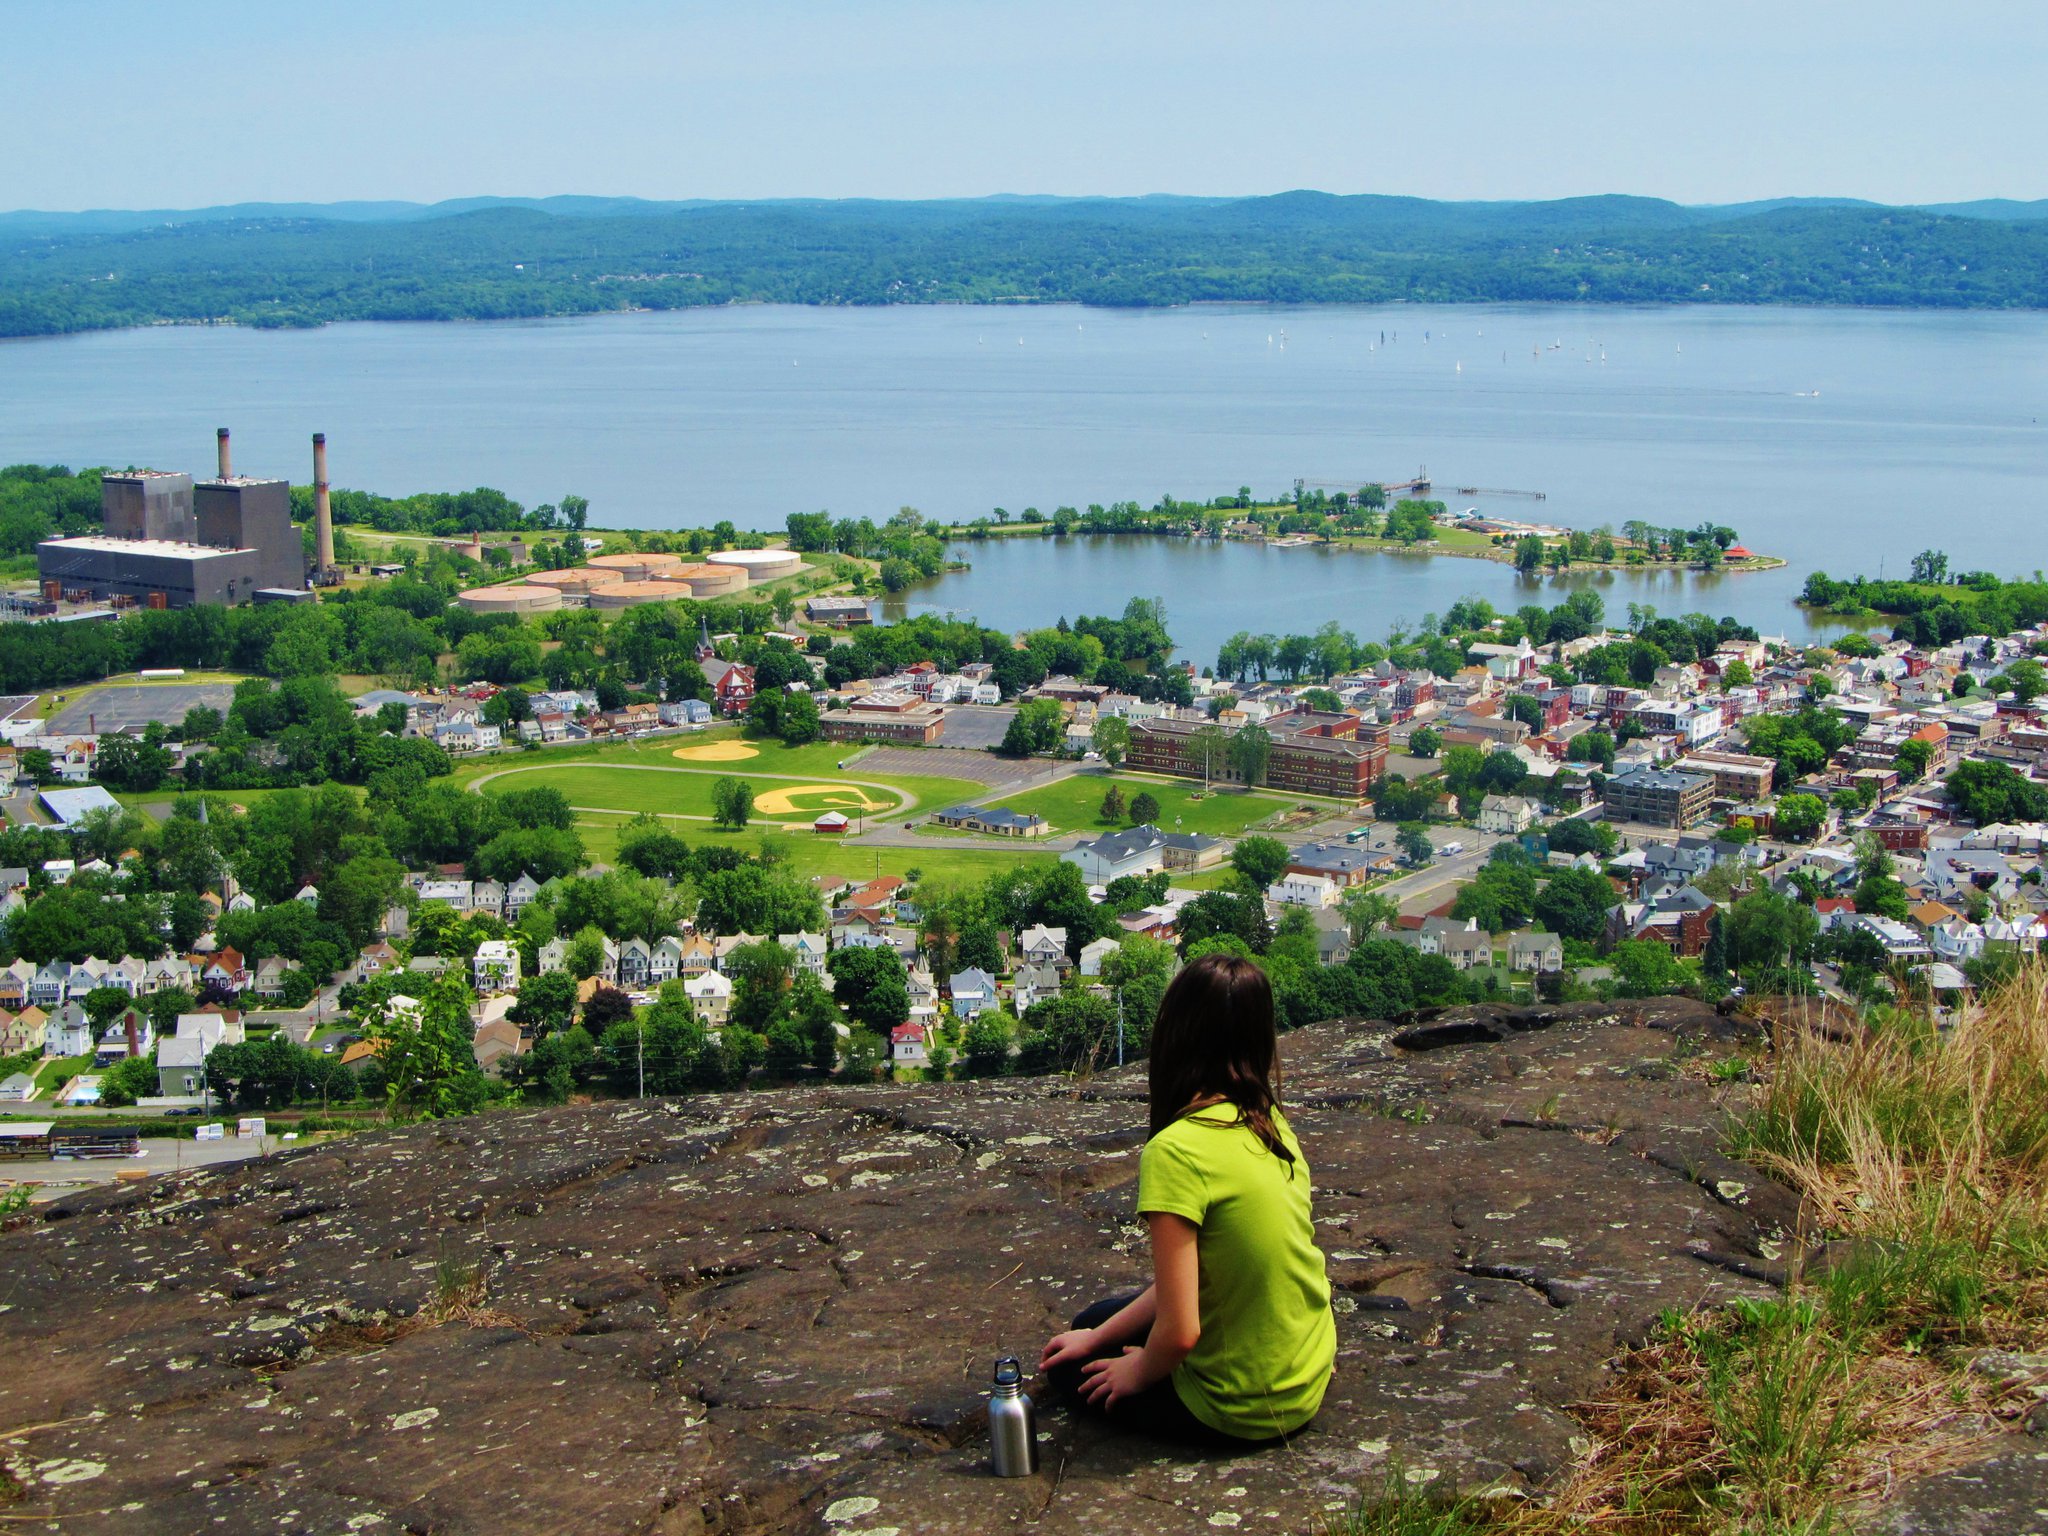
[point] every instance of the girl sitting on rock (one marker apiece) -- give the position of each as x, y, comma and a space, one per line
1233, 1341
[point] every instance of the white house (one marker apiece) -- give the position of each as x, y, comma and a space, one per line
497, 966
1093, 954
1040, 945
1295, 889
1508, 815
807, 950
907, 1044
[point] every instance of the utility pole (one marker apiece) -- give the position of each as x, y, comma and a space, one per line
1119, 1026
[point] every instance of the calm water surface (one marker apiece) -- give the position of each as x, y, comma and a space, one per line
1839, 439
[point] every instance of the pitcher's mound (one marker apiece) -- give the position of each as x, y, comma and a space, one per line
717, 752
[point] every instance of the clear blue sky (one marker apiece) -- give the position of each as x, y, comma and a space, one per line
183, 103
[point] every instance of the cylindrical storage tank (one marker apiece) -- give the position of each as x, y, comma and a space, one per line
577, 581
762, 564
631, 594
514, 597
633, 567
710, 580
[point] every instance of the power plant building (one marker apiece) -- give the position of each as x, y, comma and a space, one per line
170, 543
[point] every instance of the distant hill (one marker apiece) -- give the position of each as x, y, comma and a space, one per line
480, 258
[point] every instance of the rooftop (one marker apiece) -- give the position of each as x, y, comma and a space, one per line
171, 549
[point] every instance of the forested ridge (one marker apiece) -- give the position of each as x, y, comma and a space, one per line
509, 260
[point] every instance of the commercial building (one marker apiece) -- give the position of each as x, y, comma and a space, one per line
1737, 775
1659, 797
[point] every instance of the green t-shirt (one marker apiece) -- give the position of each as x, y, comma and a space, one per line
1268, 1339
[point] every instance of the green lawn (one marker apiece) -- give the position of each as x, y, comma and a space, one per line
1073, 804
55, 1074
820, 758
808, 854
638, 787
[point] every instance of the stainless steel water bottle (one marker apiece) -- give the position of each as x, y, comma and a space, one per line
1012, 1428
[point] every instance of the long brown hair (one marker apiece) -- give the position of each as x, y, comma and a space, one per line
1214, 1040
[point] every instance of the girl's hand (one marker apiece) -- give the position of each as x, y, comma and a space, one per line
1105, 1383
1075, 1344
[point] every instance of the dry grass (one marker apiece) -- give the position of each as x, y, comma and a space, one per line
1923, 1158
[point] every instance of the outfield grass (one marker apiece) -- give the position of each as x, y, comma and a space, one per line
820, 758
664, 791
1074, 804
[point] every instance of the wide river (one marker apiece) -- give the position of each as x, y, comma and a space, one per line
1838, 439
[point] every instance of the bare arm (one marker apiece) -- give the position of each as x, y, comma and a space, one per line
1081, 1343
1176, 1317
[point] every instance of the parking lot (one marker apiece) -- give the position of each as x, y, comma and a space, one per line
131, 706
976, 726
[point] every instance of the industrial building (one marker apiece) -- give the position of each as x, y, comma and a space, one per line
1659, 797
171, 543
1311, 753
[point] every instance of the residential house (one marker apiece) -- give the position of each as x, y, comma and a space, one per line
15, 980
1094, 953
1033, 984
636, 957
971, 991
1462, 942
495, 1041
807, 951
129, 1034
723, 946
696, 954
67, 1031
459, 894
710, 995
924, 992
519, 896
1040, 945
907, 1044
48, 988
225, 969
1508, 815
1541, 953
665, 961
268, 980
496, 967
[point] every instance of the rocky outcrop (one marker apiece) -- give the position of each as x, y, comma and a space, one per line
776, 1312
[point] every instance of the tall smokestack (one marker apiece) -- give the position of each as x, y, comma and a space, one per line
227, 468
323, 514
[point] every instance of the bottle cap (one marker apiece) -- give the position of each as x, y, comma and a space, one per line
1008, 1371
